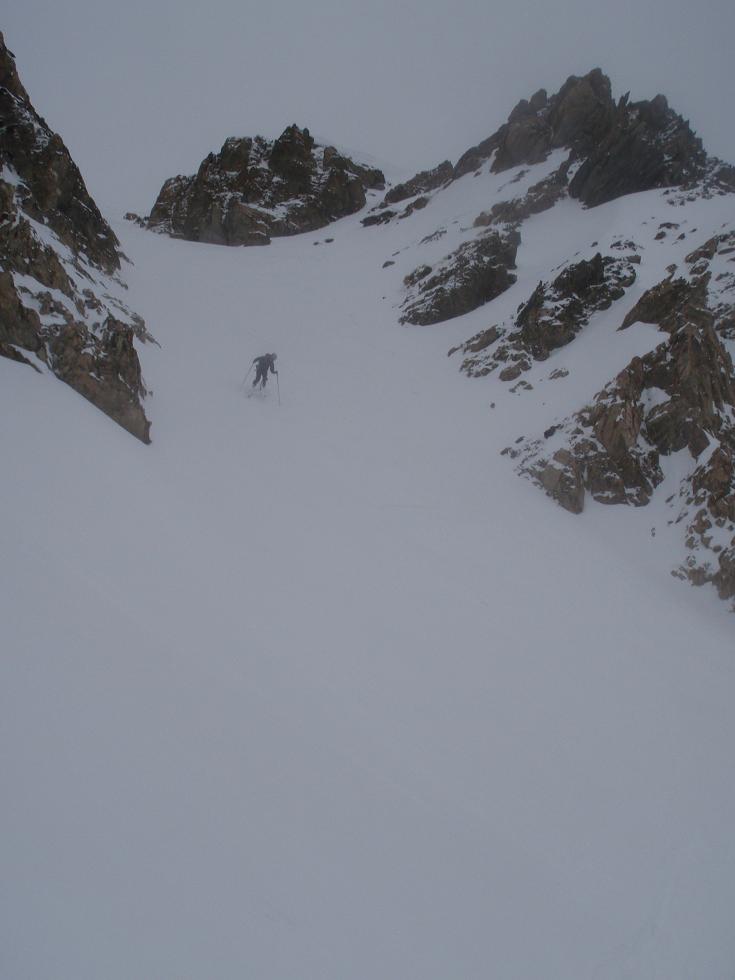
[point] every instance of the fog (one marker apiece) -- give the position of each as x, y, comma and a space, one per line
141, 91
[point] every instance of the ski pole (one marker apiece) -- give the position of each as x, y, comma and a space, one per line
242, 383
278, 388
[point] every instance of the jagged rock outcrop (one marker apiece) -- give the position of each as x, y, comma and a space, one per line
669, 400
680, 398
60, 291
253, 190
647, 145
618, 148
551, 318
577, 117
475, 273
612, 149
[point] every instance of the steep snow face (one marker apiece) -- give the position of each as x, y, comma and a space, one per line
321, 688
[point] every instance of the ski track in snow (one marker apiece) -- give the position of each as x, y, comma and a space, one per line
324, 690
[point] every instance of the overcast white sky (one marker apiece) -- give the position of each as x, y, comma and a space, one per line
143, 89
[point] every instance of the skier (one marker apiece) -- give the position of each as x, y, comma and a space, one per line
263, 364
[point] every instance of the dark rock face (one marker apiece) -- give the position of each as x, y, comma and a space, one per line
555, 314
476, 273
54, 188
580, 113
291, 159
551, 318
253, 190
647, 145
679, 398
59, 288
422, 183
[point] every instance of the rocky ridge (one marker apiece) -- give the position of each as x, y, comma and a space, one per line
665, 423
255, 189
677, 400
61, 295
607, 150
613, 148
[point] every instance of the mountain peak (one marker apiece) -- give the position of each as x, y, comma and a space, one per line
621, 148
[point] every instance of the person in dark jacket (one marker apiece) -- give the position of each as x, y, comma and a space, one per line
263, 364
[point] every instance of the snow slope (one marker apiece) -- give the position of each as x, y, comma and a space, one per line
322, 689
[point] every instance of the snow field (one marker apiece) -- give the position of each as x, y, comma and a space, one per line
323, 690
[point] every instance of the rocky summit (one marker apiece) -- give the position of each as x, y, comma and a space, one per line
612, 148
615, 148
255, 189
61, 295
